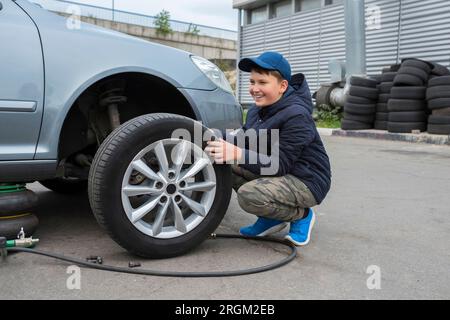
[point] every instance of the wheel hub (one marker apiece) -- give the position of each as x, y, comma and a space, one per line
178, 190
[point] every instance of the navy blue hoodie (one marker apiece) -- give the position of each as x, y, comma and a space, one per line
301, 151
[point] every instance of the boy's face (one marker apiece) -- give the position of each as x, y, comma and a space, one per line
266, 89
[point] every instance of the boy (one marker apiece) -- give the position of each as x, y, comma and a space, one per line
303, 174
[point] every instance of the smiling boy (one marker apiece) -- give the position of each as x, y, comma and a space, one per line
283, 103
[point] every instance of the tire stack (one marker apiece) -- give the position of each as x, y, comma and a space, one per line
17, 205
438, 97
385, 86
407, 105
360, 107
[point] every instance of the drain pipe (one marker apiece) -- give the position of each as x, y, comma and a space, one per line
355, 51
355, 41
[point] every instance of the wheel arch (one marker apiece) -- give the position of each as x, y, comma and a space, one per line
166, 90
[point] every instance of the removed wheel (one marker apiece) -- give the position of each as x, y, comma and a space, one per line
157, 196
15, 203
11, 226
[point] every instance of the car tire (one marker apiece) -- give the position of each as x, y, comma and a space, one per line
414, 93
359, 118
368, 93
381, 125
363, 82
419, 73
439, 81
406, 127
411, 116
132, 149
408, 80
382, 116
434, 119
355, 125
66, 185
438, 92
386, 87
439, 103
360, 109
20, 202
439, 128
382, 107
400, 105
439, 70
358, 100
395, 67
425, 66
388, 76
384, 97
11, 226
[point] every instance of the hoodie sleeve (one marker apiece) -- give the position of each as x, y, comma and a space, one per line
295, 134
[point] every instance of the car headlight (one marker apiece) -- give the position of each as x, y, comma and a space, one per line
212, 72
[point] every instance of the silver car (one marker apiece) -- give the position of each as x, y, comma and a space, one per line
87, 107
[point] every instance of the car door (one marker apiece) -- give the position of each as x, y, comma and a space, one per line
21, 83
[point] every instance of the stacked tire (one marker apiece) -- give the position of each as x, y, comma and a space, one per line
385, 86
407, 105
360, 107
17, 206
438, 98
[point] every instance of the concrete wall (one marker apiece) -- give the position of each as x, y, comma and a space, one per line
206, 47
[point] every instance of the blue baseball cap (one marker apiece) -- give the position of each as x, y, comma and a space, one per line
269, 61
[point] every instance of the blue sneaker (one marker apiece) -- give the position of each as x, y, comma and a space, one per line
263, 227
300, 231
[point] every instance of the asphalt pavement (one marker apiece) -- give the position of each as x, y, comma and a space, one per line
383, 232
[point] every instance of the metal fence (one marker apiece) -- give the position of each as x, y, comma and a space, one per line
131, 18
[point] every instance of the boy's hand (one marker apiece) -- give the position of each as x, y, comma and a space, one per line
223, 152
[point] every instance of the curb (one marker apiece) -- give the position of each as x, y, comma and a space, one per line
424, 137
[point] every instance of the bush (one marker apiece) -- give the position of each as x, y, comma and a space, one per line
328, 116
162, 23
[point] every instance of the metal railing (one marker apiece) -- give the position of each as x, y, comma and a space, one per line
91, 11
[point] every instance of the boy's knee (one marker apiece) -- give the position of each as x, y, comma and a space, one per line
250, 199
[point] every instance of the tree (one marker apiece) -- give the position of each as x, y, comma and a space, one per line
162, 23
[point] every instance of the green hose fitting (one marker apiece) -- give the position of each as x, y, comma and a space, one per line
11, 187
23, 243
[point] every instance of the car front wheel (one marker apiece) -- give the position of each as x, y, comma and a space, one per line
157, 195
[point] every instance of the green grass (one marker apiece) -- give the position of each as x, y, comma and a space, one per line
332, 124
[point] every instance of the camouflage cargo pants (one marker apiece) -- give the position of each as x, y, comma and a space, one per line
282, 198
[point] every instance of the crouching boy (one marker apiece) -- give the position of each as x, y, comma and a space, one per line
302, 174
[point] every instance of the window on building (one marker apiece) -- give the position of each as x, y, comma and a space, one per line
305, 5
281, 9
258, 15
